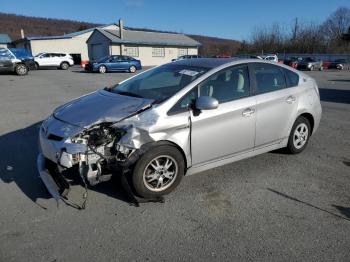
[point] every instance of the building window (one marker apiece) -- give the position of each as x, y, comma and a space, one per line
158, 52
182, 51
131, 51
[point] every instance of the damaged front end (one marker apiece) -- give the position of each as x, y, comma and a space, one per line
95, 151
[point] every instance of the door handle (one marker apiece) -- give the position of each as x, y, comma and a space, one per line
291, 99
248, 112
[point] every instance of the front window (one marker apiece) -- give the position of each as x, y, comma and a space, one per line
158, 52
227, 85
159, 83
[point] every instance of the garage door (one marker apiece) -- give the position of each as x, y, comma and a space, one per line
98, 51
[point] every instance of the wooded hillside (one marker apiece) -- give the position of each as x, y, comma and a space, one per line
12, 24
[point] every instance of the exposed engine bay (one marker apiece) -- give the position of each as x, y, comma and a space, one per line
102, 152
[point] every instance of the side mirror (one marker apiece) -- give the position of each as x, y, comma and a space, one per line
206, 103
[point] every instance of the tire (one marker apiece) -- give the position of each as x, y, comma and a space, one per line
21, 69
321, 68
102, 69
64, 66
132, 69
301, 124
36, 66
146, 180
312, 68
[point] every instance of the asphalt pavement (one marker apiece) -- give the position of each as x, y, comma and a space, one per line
273, 207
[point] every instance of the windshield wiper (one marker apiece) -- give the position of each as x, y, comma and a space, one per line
126, 93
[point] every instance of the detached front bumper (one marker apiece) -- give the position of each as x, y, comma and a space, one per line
55, 183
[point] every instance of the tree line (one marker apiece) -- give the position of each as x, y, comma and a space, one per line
302, 37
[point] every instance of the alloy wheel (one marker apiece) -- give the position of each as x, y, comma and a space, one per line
300, 136
160, 173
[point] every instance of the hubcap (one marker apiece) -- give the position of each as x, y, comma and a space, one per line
300, 135
102, 69
132, 69
160, 173
22, 70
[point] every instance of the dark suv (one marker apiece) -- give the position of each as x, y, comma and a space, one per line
16, 60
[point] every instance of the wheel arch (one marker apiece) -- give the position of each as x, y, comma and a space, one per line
311, 119
151, 145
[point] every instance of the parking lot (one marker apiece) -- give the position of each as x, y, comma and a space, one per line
273, 207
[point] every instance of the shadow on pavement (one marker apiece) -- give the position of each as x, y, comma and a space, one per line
344, 210
339, 80
335, 95
19, 150
310, 205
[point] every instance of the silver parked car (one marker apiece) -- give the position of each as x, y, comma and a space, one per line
310, 64
179, 118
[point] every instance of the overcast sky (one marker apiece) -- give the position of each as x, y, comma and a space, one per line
221, 18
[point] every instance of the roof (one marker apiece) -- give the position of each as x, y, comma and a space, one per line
148, 38
65, 36
206, 62
85, 31
5, 39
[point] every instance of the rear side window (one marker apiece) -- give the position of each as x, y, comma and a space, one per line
292, 78
268, 78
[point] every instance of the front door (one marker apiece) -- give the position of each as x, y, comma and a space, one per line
229, 129
6, 58
276, 104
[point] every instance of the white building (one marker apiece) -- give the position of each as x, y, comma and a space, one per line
152, 48
73, 43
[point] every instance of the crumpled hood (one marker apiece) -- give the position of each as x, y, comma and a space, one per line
100, 106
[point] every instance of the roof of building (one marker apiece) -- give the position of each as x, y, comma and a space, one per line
5, 39
65, 36
148, 38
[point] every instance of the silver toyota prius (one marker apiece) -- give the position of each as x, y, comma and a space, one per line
178, 119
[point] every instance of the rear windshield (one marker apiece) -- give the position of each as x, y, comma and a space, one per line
159, 83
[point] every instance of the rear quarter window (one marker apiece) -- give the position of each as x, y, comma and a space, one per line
292, 78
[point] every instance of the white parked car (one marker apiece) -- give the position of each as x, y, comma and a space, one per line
271, 58
59, 60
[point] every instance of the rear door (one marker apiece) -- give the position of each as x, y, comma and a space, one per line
276, 104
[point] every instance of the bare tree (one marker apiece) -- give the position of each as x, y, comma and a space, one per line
337, 23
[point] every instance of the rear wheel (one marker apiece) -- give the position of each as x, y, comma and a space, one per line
158, 172
312, 68
132, 69
64, 66
321, 68
21, 69
299, 136
102, 69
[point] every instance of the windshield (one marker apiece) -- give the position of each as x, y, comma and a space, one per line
159, 83
21, 53
103, 59
38, 54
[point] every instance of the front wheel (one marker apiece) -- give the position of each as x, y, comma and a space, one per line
102, 69
321, 68
132, 69
21, 69
299, 136
158, 172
